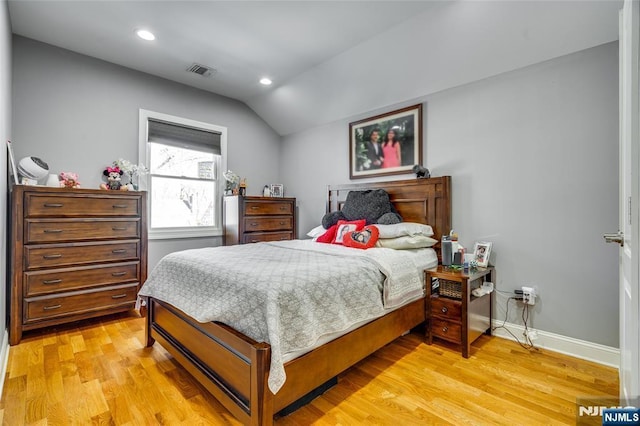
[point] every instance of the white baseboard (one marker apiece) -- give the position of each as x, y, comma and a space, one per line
4, 359
577, 348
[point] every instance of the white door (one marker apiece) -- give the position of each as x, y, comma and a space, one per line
629, 198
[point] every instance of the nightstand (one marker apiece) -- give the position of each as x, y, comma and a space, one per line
255, 219
453, 313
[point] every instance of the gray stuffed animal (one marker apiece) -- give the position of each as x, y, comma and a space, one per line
372, 205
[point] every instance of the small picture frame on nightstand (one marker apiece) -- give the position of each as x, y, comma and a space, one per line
481, 252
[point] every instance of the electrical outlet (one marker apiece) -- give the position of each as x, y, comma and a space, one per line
528, 295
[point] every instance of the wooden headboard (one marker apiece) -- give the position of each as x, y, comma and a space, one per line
417, 200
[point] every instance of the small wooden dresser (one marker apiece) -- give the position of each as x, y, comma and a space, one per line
255, 219
75, 254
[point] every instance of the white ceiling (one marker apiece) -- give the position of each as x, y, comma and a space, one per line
328, 59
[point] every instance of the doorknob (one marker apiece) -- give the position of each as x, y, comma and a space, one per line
618, 237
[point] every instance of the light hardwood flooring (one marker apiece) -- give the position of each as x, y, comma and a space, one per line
98, 372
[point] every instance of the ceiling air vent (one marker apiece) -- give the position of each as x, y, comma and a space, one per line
202, 70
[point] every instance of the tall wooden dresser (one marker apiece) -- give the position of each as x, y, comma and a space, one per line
75, 254
254, 219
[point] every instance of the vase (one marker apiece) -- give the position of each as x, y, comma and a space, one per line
133, 180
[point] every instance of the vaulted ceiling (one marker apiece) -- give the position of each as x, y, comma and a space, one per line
328, 59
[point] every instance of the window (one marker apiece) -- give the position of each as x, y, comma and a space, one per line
186, 161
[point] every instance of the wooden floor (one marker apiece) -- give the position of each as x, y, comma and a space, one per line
99, 373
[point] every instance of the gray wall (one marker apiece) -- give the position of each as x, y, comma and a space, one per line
79, 114
533, 156
5, 134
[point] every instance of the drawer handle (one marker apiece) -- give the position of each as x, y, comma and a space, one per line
444, 310
254, 223
119, 296
119, 228
56, 281
53, 205
281, 223
118, 251
254, 207
52, 307
52, 231
52, 256
119, 206
445, 329
118, 274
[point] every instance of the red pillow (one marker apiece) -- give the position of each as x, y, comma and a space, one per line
364, 239
344, 226
329, 235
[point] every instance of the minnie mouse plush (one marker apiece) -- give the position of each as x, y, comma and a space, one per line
114, 175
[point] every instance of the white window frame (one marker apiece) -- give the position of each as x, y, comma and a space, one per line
144, 152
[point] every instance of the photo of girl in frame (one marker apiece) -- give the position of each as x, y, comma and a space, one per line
482, 252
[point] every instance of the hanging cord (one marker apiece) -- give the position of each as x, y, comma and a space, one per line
528, 344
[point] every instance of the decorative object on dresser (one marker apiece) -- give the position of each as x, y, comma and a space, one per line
12, 163
75, 254
254, 219
69, 180
277, 190
453, 312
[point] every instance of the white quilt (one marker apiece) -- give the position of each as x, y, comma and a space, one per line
289, 293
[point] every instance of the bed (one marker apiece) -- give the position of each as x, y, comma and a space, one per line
235, 369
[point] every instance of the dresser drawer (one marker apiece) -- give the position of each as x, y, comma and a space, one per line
252, 224
446, 308
47, 230
49, 205
56, 280
54, 255
257, 237
257, 208
79, 302
446, 330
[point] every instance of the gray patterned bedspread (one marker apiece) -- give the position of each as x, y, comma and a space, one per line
288, 293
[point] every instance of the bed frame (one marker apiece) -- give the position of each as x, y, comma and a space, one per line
235, 368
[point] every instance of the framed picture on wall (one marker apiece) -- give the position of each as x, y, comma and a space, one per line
481, 252
387, 144
277, 190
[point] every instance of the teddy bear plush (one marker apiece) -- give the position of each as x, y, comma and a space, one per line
69, 180
372, 205
114, 179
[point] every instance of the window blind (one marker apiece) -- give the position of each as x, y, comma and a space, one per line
184, 136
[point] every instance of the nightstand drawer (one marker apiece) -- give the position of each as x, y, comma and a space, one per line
446, 308
268, 223
80, 302
49, 231
258, 208
47, 205
446, 330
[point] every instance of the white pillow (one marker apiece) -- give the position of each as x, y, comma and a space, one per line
316, 232
406, 242
404, 229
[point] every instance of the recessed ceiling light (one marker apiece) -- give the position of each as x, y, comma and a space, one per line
266, 81
145, 35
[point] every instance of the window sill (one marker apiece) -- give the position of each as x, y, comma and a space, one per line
179, 233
